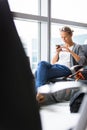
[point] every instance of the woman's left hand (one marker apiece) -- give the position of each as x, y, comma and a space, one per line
64, 48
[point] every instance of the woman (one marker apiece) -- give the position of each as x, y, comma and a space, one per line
66, 56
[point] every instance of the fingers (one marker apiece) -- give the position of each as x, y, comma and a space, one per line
65, 49
58, 49
57, 46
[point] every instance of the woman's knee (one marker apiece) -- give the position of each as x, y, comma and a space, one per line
42, 63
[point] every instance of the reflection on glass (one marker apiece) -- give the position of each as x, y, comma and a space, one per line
28, 32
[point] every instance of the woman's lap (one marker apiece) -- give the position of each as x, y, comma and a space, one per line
46, 71
58, 70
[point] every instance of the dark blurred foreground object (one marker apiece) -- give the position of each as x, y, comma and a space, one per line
18, 107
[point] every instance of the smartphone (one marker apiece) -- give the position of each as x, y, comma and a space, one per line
57, 46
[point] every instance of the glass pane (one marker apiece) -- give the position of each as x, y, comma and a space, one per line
79, 36
44, 5
24, 6
28, 32
73, 10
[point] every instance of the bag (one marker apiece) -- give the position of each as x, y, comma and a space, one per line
75, 101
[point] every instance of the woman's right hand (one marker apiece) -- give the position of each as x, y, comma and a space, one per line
58, 48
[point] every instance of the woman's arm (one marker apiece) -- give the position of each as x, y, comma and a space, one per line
75, 56
56, 56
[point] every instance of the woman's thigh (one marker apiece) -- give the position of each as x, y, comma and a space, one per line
58, 70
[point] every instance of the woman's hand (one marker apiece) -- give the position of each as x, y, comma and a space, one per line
64, 48
56, 56
58, 48
40, 98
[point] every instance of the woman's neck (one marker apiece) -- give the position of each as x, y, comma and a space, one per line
69, 44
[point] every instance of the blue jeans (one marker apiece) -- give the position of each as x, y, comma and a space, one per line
46, 71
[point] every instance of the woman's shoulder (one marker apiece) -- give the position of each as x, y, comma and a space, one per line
77, 46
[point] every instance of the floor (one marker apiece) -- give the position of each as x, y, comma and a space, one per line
58, 117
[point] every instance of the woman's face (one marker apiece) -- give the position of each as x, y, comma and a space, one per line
66, 37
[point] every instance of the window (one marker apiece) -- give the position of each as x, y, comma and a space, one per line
72, 10
25, 6
28, 32
35, 7
39, 31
